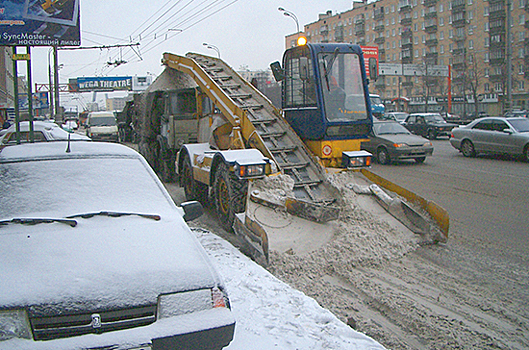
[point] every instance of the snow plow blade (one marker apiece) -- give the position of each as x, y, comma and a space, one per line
270, 224
418, 214
311, 211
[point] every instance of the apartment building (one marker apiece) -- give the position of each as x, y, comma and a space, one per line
468, 36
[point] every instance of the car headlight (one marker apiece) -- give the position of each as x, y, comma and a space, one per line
398, 145
170, 305
428, 144
14, 324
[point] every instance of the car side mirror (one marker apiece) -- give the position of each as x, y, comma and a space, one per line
507, 131
192, 210
277, 71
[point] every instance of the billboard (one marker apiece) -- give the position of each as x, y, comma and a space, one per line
86, 84
369, 52
39, 23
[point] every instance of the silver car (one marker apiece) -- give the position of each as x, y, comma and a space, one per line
494, 135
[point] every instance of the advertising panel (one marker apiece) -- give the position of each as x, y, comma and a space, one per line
86, 84
369, 52
39, 23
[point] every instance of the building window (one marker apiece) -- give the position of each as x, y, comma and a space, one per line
442, 49
441, 35
486, 87
471, 44
486, 72
441, 21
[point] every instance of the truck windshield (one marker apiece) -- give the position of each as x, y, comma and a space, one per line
342, 86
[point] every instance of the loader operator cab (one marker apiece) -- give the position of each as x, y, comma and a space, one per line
325, 97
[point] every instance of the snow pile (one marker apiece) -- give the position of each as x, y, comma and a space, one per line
362, 239
269, 313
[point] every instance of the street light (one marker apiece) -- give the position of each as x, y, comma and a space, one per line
212, 47
291, 15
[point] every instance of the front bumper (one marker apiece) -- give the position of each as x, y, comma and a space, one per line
210, 329
403, 153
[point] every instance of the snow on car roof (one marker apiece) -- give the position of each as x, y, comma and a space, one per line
58, 149
109, 260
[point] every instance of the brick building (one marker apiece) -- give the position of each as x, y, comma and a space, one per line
469, 36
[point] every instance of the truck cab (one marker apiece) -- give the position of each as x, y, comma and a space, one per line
325, 98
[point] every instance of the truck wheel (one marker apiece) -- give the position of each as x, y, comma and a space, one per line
230, 196
194, 190
467, 148
383, 156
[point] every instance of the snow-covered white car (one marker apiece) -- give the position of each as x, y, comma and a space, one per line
111, 266
42, 131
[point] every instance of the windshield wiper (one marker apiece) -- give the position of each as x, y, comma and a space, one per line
114, 214
35, 221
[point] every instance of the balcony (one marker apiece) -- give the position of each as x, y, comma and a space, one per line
457, 5
497, 61
407, 84
432, 55
406, 21
432, 28
498, 29
405, 8
491, 2
430, 15
359, 29
497, 45
459, 38
379, 28
407, 60
460, 51
378, 14
408, 44
406, 33
496, 77
497, 14
380, 40
338, 34
431, 42
430, 3
458, 23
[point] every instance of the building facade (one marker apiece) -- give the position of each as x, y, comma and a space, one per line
468, 36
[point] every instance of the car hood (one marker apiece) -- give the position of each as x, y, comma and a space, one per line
103, 262
411, 140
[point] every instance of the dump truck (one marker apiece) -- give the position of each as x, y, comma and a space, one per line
229, 147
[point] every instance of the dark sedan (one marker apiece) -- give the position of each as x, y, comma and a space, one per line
391, 141
494, 135
430, 125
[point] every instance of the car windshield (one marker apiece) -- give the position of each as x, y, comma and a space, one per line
342, 86
400, 116
35, 190
520, 125
375, 99
109, 120
434, 118
389, 128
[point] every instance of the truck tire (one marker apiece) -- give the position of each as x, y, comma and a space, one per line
194, 190
229, 196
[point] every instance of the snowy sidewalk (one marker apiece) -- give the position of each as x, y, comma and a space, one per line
269, 313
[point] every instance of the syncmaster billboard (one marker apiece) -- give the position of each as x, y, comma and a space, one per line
39, 23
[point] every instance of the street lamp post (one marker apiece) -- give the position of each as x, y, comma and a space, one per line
212, 47
291, 15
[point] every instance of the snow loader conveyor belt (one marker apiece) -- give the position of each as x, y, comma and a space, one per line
261, 126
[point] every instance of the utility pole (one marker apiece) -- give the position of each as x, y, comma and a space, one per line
56, 84
508, 104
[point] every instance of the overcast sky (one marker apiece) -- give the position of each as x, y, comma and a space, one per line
247, 32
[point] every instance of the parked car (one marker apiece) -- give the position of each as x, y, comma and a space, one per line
517, 113
390, 141
495, 135
397, 116
70, 125
102, 126
42, 131
430, 125
111, 265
